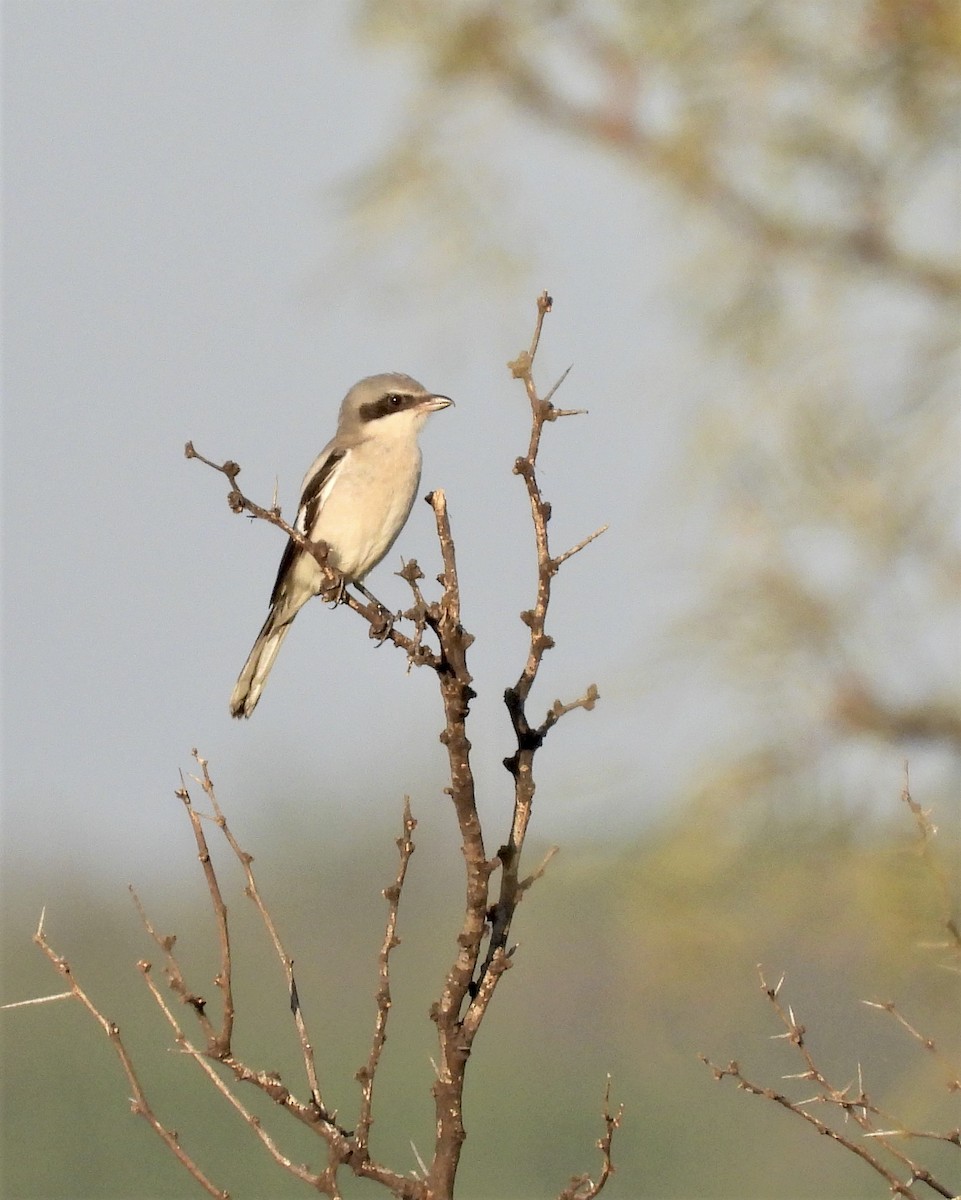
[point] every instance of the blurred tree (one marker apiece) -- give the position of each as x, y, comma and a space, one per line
814, 150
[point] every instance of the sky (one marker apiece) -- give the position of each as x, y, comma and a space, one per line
179, 264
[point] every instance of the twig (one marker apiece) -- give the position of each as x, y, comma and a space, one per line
341, 1148
175, 977
562, 558
221, 1042
287, 963
858, 1107
465, 983
538, 872
529, 740
733, 1070
454, 1037
201, 1058
373, 613
37, 1000
582, 1187
929, 1044
268, 1082
392, 894
139, 1105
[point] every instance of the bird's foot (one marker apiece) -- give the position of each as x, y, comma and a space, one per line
333, 593
380, 617
381, 622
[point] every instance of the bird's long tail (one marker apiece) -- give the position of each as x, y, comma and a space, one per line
243, 699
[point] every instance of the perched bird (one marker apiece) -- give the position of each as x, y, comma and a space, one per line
356, 498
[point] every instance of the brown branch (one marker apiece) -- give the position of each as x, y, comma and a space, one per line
220, 1043
467, 990
860, 1109
582, 1187
139, 1105
366, 1074
268, 1082
201, 1058
558, 709
898, 1188
286, 962
175, 977
538, 872
857, 1107
381, 628
341, 1145
562, 558
454, 1040
465, 985
529, 739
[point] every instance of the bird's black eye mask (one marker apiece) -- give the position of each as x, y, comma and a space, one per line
392, 402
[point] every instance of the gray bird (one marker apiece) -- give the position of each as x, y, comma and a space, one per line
356, 498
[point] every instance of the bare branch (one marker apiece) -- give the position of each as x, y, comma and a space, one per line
286, 962
898, 1188
139, 1105
562, 558
582, 1187
558, 710
538, 872
201, 1058
857, 1106
392, 894
220, 1045
373, 612
472, 978
457, 693
929, 1044
529, 739
175, 977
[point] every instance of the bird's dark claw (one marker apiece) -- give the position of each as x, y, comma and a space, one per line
381, 629
333, 593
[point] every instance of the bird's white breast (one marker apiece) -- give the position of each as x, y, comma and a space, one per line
368, 503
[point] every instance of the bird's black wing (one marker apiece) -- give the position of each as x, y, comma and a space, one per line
311, 502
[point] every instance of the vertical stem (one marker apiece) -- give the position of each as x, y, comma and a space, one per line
454, 1041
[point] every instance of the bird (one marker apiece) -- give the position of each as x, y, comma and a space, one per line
355, 498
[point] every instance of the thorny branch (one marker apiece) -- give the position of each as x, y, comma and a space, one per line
365, 1076
529, 738
375, 613
582, 1187
343, 1147
857, 1106
466, 985
253, 893
139, 1104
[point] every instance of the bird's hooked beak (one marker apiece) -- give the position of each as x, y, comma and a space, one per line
435, 403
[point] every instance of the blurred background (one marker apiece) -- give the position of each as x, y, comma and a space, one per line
217, 218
